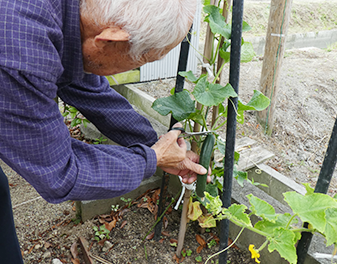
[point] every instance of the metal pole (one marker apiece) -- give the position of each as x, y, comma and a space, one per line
183, 57
234, 76
322, 186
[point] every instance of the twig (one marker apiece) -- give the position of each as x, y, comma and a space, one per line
102, 260
31, 200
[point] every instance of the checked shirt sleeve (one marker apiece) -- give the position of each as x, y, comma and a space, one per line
110, 112
36, 143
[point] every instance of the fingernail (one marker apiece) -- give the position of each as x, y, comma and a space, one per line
203, 171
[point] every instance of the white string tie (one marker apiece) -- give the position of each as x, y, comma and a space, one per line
190, 187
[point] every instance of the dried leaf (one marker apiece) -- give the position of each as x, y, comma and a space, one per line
73, 250
150, 236
124, 223
200, 240
75, 261
111, 225
194, 211
165, 222
199, 249
173, 240
162, 240
207, 221
164, 233
176, 259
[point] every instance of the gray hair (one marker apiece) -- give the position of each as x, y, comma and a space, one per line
152, 24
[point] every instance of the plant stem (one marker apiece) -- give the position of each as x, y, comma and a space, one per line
219, 72
291, 219
159, 218
263, 246
237, 237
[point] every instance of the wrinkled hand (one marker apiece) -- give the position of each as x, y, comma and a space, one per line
173, 157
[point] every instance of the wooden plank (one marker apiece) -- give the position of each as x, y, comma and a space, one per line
250, 157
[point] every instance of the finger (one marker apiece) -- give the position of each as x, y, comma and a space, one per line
174, 131
197, 168
182, 144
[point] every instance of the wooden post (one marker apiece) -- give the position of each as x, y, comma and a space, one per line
225, 11
279, 16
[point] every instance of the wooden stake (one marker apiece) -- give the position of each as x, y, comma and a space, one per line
279, 16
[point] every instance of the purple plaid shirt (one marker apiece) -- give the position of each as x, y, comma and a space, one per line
40, 58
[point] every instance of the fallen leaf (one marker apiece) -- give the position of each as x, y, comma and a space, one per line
176, 259
75, 261
73, 250
164, 233
173, 240
111, 225
200, 240
199, 249
123, 224
161, 240
150, 236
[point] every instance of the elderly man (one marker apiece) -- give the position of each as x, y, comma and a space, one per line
61, 48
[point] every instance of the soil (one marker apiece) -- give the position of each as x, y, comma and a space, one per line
305, 114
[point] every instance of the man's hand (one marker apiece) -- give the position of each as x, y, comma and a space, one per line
173, 158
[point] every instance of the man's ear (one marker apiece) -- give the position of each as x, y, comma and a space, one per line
110, 34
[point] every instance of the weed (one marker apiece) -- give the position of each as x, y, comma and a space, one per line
101, 232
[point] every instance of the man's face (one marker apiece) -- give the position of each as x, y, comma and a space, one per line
112, 57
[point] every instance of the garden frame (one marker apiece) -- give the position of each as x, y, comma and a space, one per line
329, 162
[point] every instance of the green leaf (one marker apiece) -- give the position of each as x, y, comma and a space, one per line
180, 105
331, 226
262, 208
311, 208
238, 212
197, 117
236, 157
223, 51
308, 188
212, 189
212, 94
247, 52
281, 220
283, 241
245, 26
259, 101
217, 22
214, 205
189, 75
240, 176
221, 145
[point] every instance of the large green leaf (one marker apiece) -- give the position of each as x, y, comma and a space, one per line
262, 208
238, 213
247, 52
311, 208
217, 22
331, 226
283, 241
210, 94
281, 221
180, 105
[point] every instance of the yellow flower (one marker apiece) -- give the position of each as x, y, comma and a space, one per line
255, 254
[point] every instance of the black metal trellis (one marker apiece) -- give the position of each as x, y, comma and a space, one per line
182, 64
322, 186
234, 76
